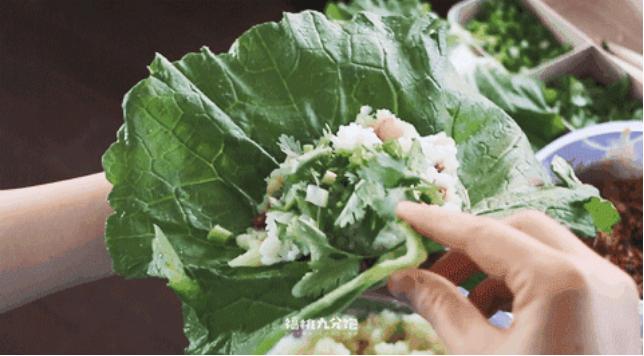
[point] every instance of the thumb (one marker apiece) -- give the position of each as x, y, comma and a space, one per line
452, 315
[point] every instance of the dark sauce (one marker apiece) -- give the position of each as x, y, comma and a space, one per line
620, 183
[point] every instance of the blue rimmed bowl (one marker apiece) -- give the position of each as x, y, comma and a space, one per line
617, 140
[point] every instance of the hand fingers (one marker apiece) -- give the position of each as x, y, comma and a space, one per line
453, 317
490, 296
498, 249
545, 229
455, 267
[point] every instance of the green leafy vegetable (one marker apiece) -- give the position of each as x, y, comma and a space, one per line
546, 111
583, 102
201, 134
345, 10
603, 213
219, 234
577, 205
523, 98
513, 35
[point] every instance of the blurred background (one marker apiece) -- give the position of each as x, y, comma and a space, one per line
64, 67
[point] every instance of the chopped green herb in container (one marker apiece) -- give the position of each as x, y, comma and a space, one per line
514, 36
584, 102
546, 111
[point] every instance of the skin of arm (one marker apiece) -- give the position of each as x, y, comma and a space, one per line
51, 238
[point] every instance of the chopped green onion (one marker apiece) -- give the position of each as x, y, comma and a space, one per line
329, 177
219, 234
430, 194
291, 195
307, 148
393, 148
316, 195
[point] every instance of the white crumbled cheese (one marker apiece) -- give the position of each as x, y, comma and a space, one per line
353, 135
409, 131
440, 151
384, 114
270, 251
397, 348
264, 247
248, 240
364, 117
251, 258
409, 134
273, 250
365, 110
328, 346
444, 180
430, 172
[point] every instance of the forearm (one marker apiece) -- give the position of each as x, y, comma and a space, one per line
51, 237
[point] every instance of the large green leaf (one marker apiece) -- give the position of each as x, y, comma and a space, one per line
345, 11
522, 97
201, 134
223, 307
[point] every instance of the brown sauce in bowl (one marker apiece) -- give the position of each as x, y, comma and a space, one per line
621, 183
